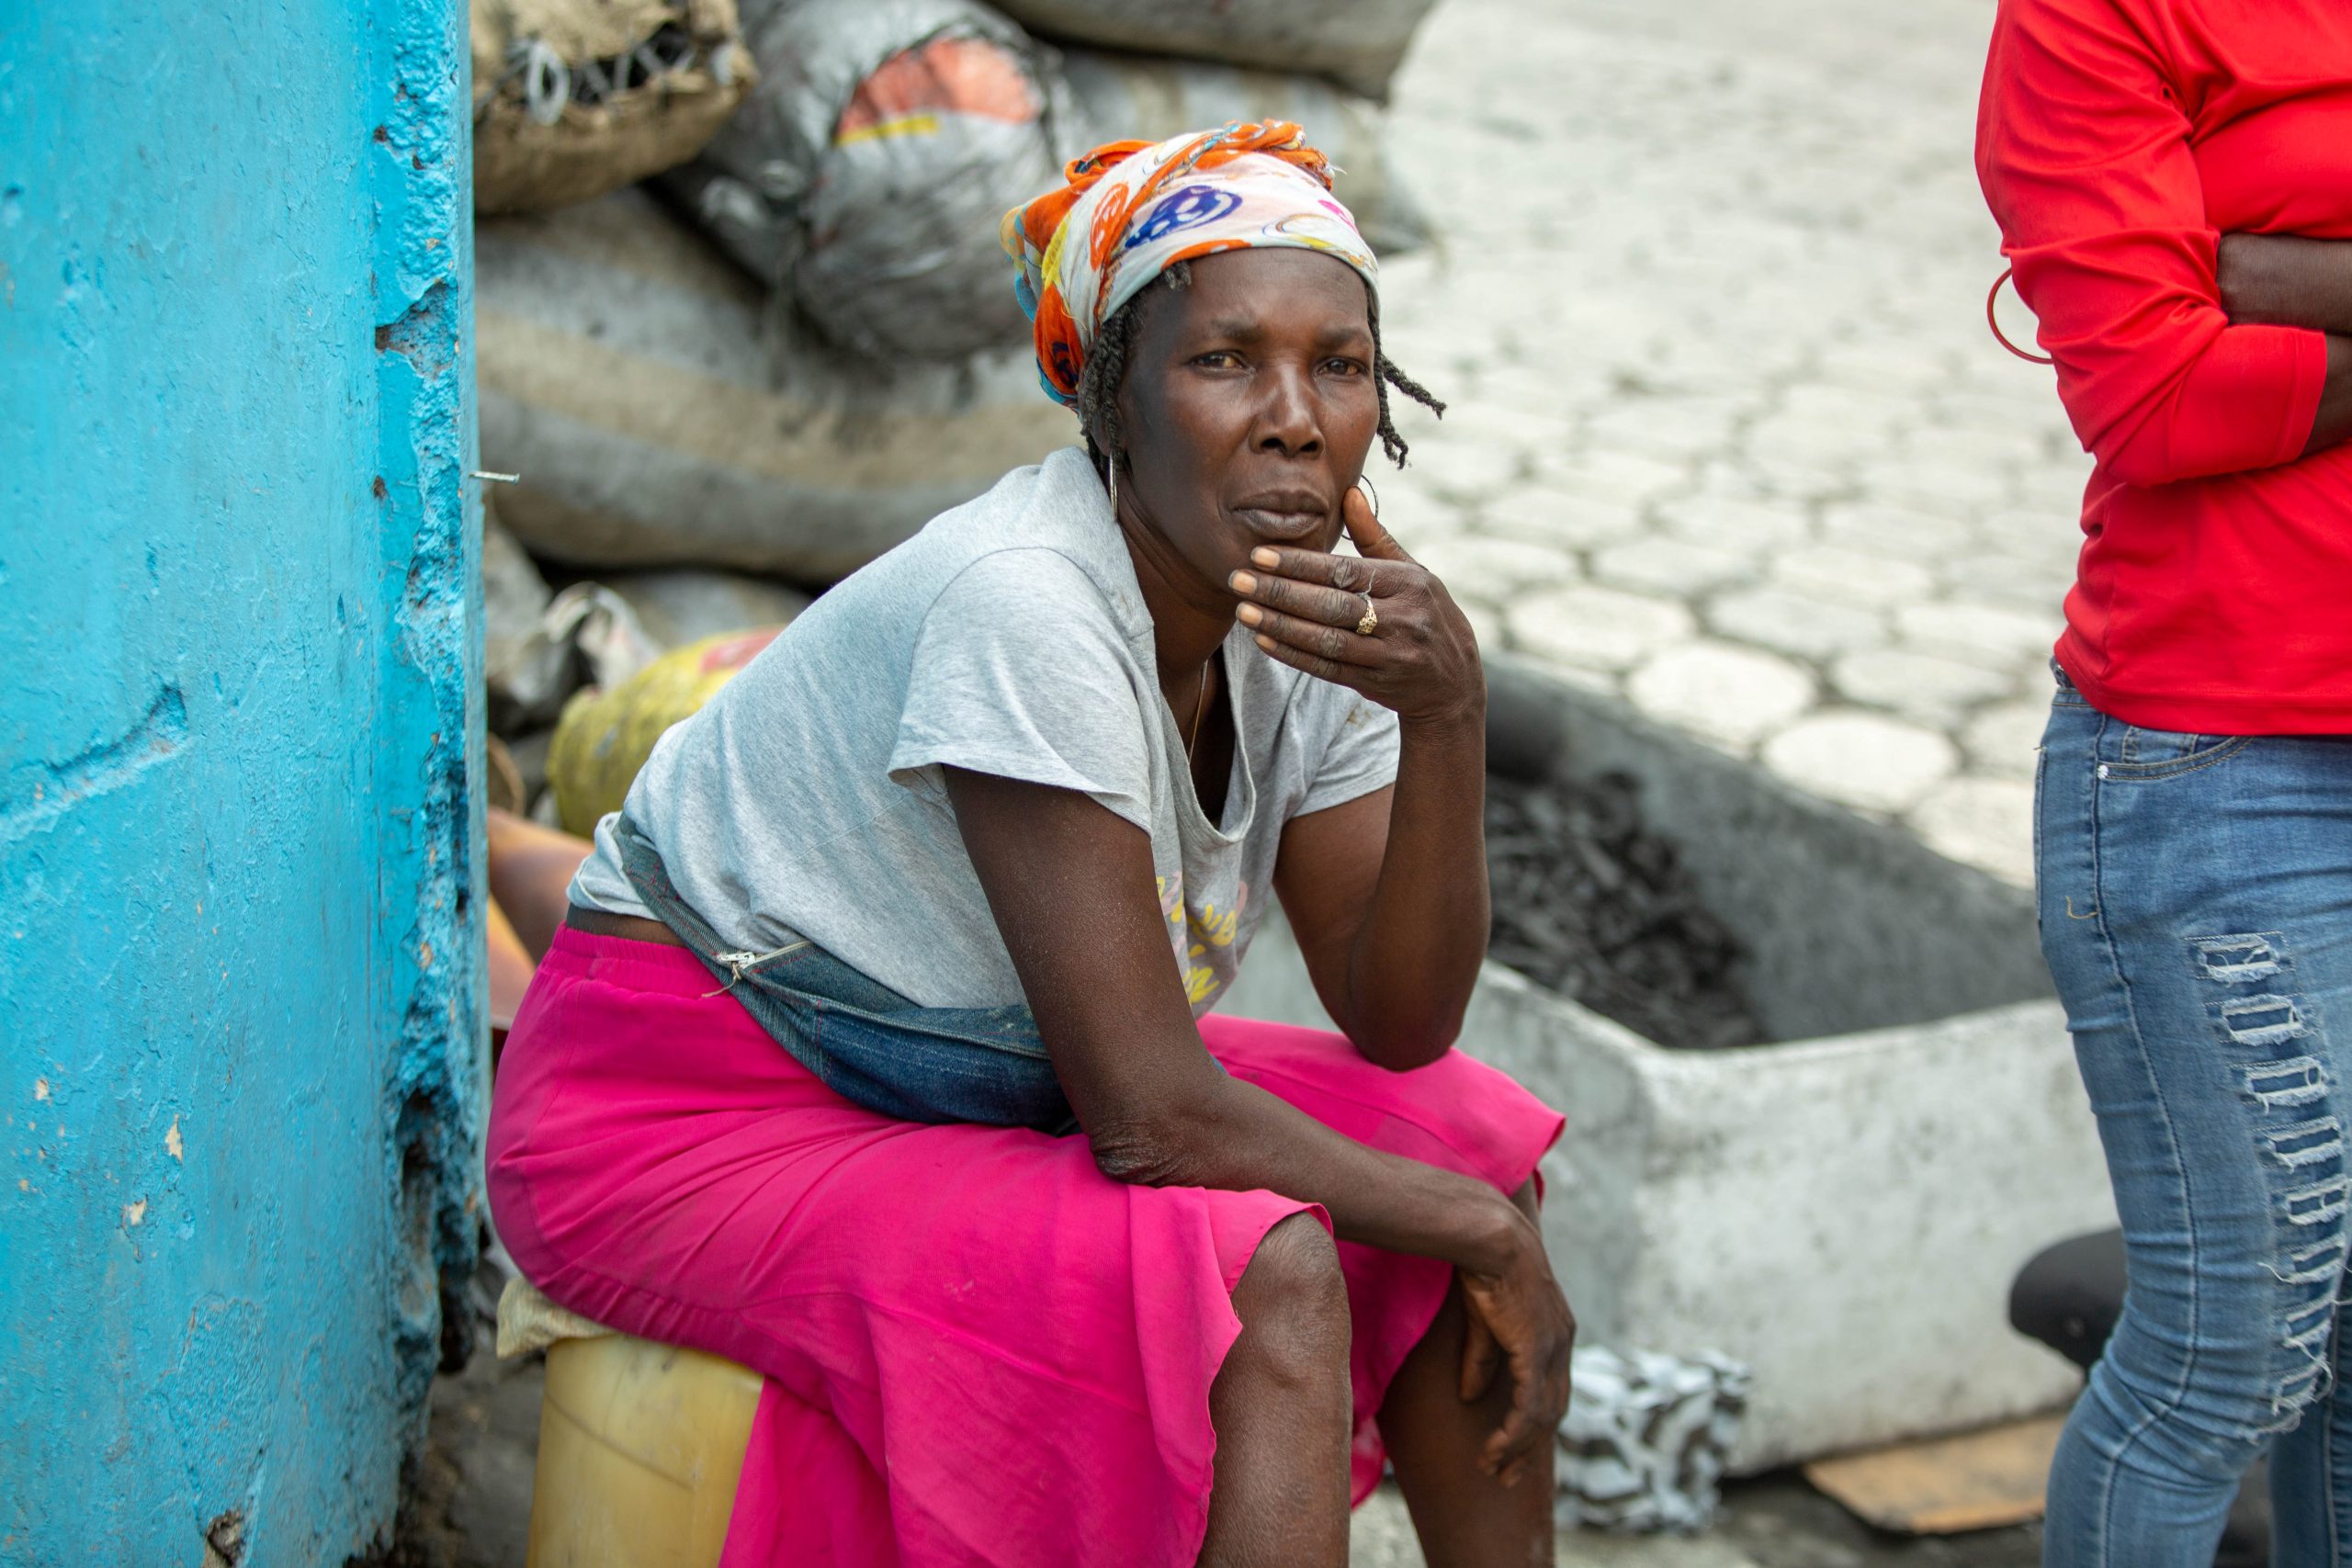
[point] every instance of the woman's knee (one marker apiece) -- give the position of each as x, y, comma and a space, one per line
2211, 1408
1292, 1300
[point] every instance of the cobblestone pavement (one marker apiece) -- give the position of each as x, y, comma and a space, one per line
1728, 434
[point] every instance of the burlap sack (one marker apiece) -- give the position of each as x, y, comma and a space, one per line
1355, 42
865, 176
1117, 96
659, 415
677, 605
573, 99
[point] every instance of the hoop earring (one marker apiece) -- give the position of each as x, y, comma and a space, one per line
1363, 483
1111, 468
1994, 322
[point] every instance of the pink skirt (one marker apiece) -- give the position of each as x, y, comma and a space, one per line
979, 1349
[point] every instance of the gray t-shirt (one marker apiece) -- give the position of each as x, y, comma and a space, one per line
1008, 638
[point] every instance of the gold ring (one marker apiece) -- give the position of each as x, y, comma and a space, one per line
1371, 621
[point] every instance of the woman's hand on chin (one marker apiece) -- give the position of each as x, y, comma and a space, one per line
1419, 656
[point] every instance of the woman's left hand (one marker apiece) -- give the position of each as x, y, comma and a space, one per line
1420, 658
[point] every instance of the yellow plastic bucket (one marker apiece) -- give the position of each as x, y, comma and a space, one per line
640, 1447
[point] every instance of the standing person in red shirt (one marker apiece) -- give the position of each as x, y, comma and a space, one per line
2173, 180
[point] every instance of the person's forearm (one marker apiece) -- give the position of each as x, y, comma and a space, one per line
2287, 280
1234, 1136
1424, 935
2332, 426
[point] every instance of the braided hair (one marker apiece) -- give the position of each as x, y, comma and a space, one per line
1106, 369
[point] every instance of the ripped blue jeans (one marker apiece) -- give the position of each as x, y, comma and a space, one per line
2195, 904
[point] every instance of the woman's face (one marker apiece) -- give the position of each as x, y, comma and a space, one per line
1248, 406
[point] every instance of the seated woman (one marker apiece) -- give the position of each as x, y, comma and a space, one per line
921, 867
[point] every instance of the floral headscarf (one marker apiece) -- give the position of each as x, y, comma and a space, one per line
1132, 210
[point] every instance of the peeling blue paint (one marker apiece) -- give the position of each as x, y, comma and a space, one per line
58, 788
242, 1057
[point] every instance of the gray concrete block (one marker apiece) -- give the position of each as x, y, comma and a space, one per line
1843, 1210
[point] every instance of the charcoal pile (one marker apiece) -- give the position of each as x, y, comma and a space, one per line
1590, 905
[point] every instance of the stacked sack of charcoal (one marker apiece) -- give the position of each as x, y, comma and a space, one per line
742, 319
801, 341
575, 102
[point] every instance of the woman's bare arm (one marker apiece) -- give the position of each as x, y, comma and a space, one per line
1071, 887
2287, 281
1387, 895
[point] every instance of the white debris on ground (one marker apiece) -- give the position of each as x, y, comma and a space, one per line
1728, 435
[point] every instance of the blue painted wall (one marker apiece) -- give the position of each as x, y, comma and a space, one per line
240, 1025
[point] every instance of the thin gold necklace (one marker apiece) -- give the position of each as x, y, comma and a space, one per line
1199, 709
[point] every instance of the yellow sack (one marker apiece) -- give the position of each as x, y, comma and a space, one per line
604, 737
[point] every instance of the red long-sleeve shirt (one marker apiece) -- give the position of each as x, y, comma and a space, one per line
2116, 142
